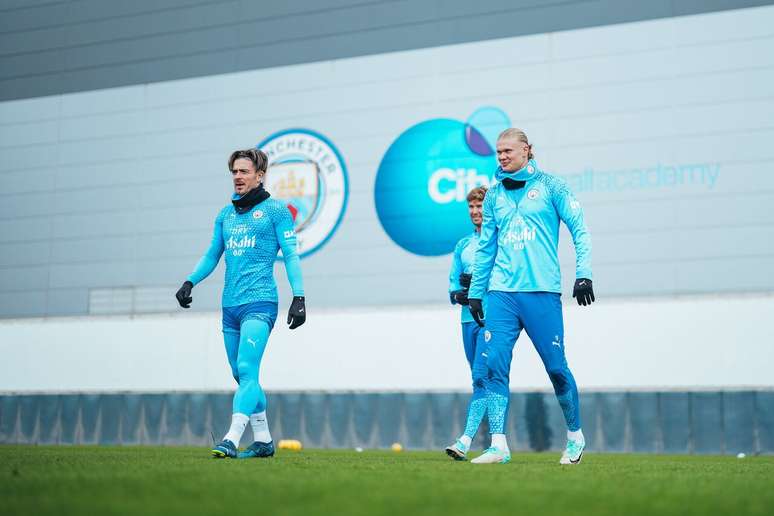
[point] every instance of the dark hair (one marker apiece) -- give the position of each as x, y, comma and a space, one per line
477, 194
258, 157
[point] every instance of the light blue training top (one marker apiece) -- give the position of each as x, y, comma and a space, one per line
462, 261
518, 247
251, 241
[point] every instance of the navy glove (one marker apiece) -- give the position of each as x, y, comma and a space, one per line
297, 312
476, 310
184, 295
583, 291
465, 279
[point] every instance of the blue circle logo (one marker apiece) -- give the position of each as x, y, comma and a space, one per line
308, 173
425, 176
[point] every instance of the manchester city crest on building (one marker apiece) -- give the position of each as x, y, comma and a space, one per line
307, 172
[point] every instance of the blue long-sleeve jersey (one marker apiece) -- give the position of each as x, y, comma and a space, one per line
462, 261
518, 247
251, 241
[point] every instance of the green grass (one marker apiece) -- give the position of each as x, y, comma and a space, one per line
170, 481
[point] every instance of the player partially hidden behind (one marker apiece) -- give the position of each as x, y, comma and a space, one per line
250, 230
472, 336
517, 264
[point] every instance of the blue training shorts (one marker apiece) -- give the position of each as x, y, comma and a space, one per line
234, 316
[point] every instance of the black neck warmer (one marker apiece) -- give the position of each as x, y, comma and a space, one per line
512, 184
255, 196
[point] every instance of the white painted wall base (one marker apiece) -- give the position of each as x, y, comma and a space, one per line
690, 342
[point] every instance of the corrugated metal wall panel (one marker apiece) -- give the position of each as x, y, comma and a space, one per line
721, 422
56, 47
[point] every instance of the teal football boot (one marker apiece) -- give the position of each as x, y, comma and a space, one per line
258, 450
225, 449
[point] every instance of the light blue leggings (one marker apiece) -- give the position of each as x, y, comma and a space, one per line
246, 330
245, 350
475, 352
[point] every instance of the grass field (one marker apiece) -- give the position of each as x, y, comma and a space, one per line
185, 481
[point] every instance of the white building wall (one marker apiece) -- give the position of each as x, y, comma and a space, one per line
118, 188
115, 190
692, 342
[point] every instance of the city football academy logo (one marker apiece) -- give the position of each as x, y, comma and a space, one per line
307, 172
424, 177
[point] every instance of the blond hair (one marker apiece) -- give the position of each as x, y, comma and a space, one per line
519, 135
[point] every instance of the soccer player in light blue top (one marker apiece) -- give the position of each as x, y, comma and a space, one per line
250, 231
517, 263
472, 336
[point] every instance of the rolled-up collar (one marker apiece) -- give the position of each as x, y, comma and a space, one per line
245, 203
523, 174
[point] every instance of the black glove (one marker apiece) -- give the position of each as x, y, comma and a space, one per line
583, 291
465, 280
477, 311
460, 297
297, 312
184, 295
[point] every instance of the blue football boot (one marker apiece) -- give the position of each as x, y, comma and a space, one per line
258, 450
225, 449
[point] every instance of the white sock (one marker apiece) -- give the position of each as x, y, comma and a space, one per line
238, 425
260, 427
466, 441
576, 436
499, 442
